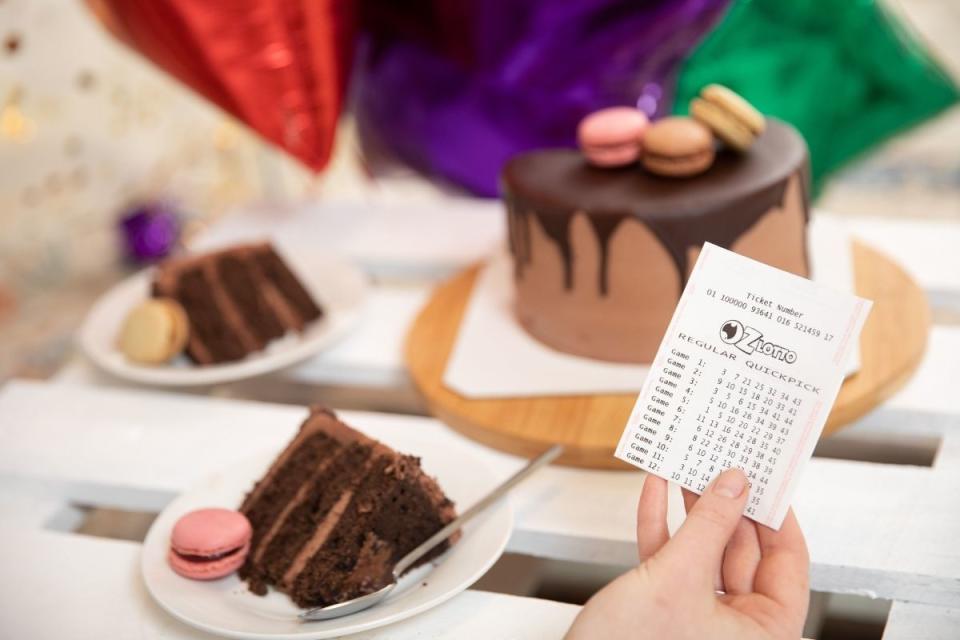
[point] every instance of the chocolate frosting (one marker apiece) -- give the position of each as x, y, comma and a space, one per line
717, 206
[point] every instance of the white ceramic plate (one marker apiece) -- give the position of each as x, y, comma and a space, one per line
340, 289
225, 607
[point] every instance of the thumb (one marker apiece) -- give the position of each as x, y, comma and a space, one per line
700, 541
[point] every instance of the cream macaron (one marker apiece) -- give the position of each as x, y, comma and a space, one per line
729, 116
154, 331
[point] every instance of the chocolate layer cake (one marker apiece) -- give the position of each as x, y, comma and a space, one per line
237, 300
602, 255
335, 512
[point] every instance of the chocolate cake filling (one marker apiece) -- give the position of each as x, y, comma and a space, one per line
320, 496
207, 321
287, 283
266, 504
240, 283
390, 514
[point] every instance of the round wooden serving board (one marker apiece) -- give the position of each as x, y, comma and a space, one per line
891, 347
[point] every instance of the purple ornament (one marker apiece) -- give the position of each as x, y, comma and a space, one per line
517, 75
149, 231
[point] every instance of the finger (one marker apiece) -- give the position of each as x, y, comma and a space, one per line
652, 532
690, 499
741, 558
700, 541
783, 572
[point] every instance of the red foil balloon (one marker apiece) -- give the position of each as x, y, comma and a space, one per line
280, 66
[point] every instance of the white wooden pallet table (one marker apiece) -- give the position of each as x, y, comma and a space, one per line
880, 530
884, 531
59, 585
923, 405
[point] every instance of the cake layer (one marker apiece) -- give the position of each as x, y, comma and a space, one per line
601, 255
334, 514
216, 333
301, 306
388, 515
243, 284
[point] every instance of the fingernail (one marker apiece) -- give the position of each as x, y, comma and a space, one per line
730, 483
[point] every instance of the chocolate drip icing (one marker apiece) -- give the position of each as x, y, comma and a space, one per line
557, 226
718, 206
722, 225
519, 239
604, 228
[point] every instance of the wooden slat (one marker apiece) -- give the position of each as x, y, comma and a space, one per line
927, 408
911, 621
373, 354
886, 529
28, 508
933, 387
927, 249
927, 391
60, 585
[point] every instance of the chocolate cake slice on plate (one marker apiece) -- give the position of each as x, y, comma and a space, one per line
237, 300
335, 512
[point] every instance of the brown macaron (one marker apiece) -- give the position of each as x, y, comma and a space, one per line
154, 331
677, 147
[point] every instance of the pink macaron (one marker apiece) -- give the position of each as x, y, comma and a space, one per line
209, 543
612, 137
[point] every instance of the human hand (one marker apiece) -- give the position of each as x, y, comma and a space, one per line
673, 592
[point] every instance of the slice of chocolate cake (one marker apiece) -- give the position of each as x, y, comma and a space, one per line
237, 300
335, 512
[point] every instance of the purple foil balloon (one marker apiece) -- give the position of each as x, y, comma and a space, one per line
149, 231
515, 75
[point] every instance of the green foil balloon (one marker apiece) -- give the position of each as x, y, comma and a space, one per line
844, 72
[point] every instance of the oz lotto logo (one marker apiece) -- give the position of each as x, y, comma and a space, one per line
750, 341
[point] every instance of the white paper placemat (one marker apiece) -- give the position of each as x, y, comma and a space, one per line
494, 357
